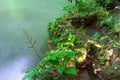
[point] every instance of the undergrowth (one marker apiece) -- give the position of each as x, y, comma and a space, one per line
71, 50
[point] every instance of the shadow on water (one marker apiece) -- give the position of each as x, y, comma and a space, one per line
33, 16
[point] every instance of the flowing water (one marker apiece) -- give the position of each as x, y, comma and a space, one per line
33, 16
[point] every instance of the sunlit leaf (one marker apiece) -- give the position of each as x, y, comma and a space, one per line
81, 58
83, 50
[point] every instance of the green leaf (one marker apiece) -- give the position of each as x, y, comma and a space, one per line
54, 62
96, 36
66, 59
68, 43
71, 70
103, 38
84, 1
59, 45
61, 69
55, 40
71, 54
52, 55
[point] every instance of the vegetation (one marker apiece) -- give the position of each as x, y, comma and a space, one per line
72, 51
32, 43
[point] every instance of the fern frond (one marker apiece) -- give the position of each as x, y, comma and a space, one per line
31, 74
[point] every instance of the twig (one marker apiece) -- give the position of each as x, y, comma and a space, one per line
29, 38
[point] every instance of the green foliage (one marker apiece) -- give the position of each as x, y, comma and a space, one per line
54, 59
31, 74
60, 69
107, 22
102, 59
98, 37
67, 40
59, 56
104, 3
82, 7
72, 45
70, 70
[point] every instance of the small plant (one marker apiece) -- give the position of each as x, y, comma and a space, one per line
32, 43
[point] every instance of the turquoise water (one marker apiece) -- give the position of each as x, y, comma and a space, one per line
33, 16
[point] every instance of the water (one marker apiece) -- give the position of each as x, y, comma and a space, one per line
33, 16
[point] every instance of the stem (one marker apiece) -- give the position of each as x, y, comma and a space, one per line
35, 50
29, 38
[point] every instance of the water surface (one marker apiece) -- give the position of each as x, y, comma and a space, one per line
33, 16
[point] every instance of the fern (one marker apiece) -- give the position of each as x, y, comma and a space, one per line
31, 74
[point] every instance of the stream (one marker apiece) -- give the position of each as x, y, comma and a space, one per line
32, 16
